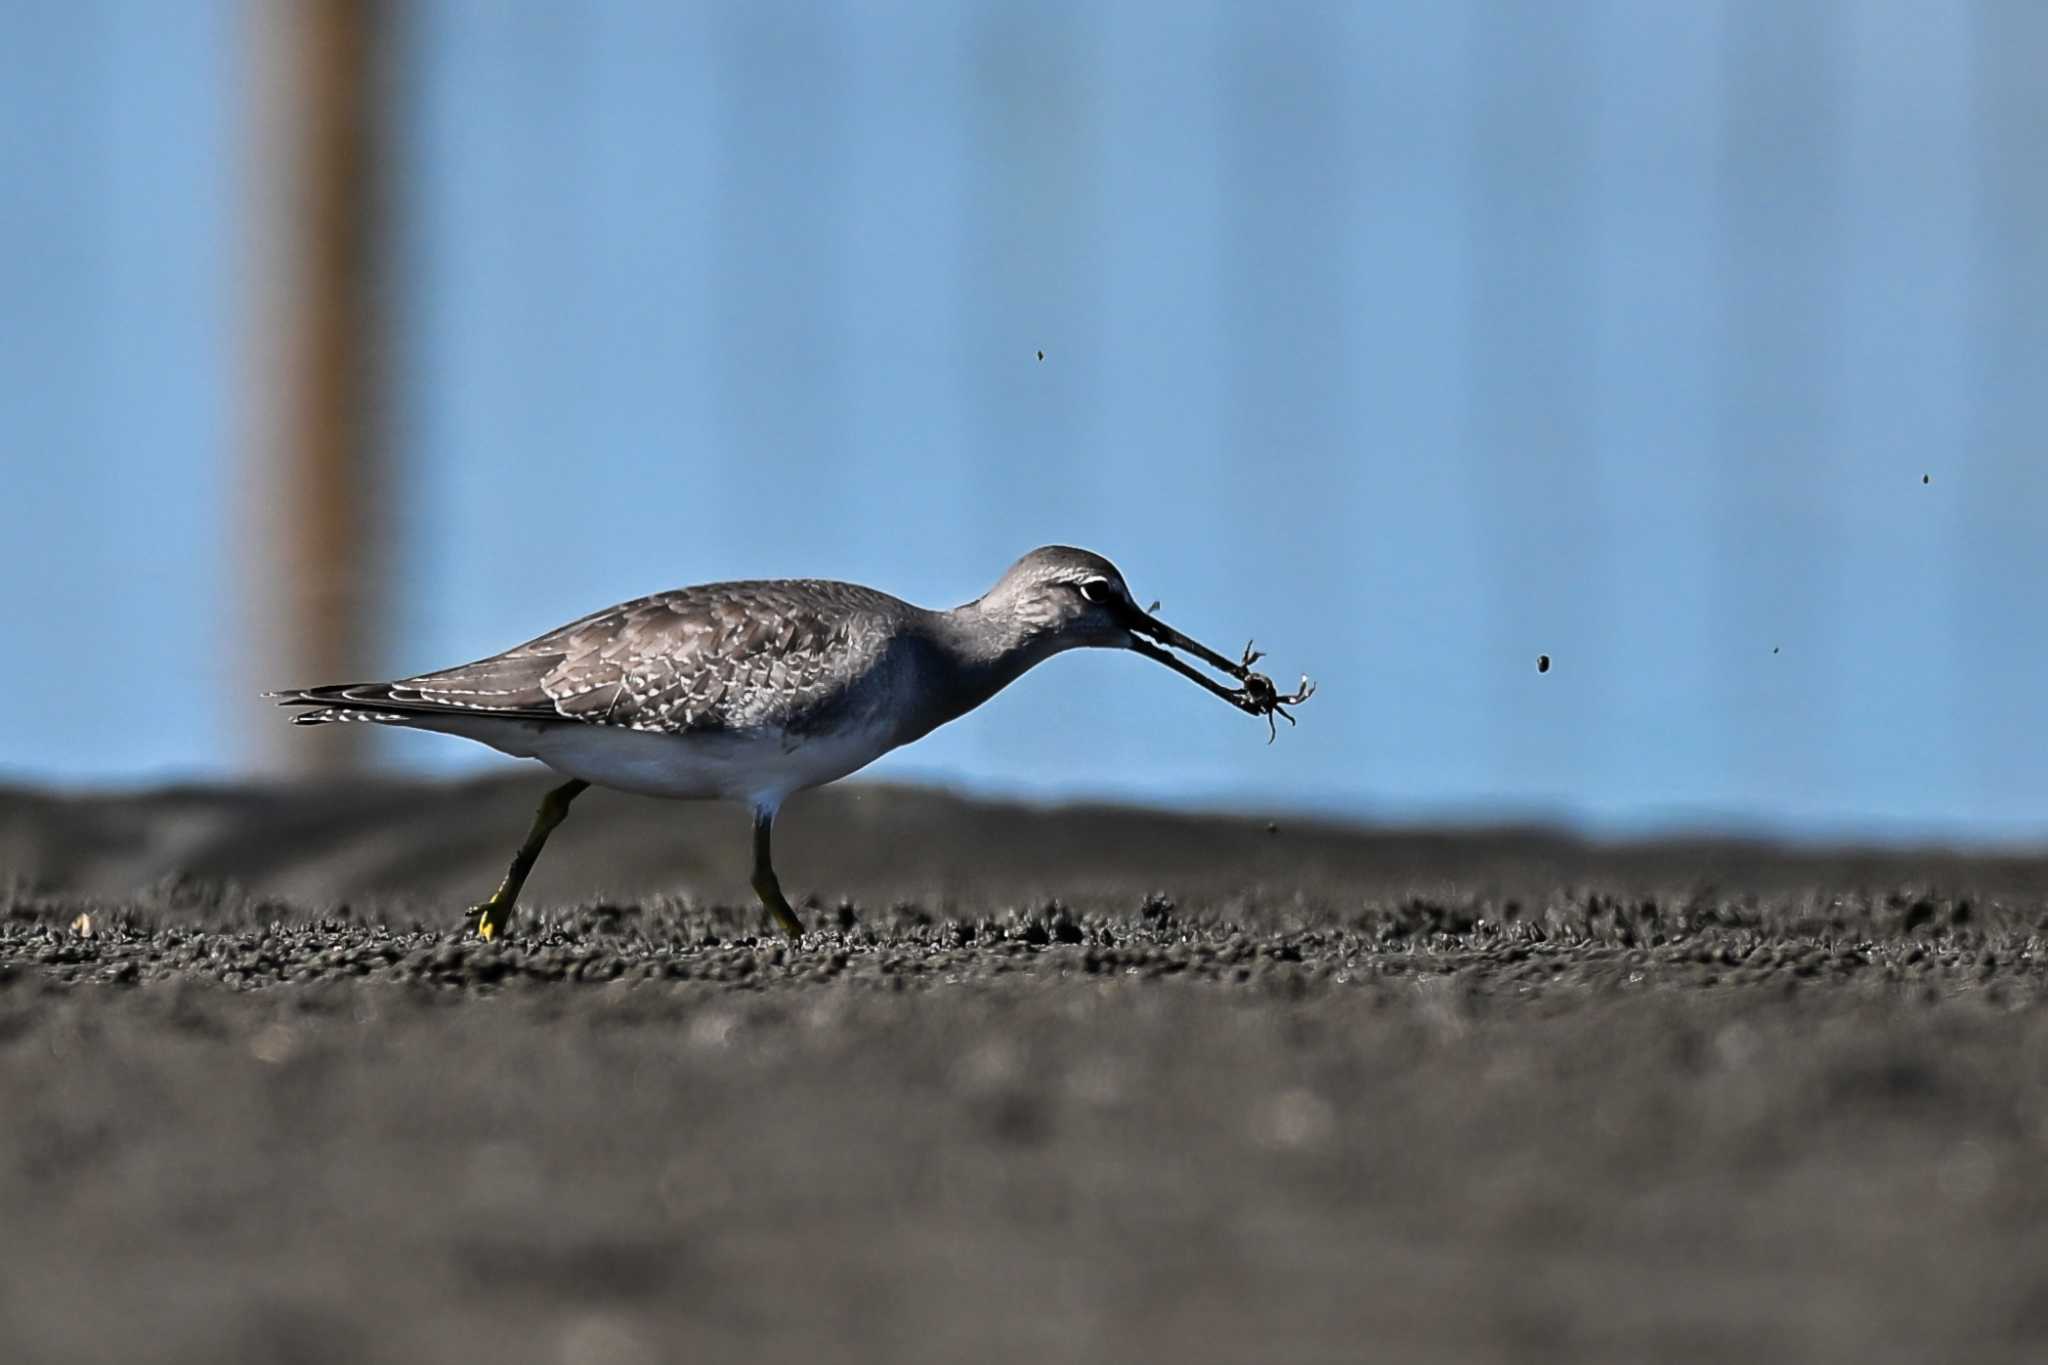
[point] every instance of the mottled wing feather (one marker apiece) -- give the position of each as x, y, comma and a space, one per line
724, 655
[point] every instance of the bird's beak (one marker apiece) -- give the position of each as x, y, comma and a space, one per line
1146, 628
1255, 693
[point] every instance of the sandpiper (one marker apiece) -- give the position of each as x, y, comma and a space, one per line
751, 691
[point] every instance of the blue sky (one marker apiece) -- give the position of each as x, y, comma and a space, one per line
1414, 340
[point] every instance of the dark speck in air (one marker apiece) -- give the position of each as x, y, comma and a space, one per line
1542, 663
1927, 478
1041, 355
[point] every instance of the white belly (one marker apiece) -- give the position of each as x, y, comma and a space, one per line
758, 767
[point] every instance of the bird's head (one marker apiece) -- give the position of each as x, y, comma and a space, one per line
1058, 598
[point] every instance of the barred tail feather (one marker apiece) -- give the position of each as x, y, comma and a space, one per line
351, 709
337, 715
393, 703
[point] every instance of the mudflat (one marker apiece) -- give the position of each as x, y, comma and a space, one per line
1074, 1084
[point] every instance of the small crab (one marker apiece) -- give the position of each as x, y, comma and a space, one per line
1261, 698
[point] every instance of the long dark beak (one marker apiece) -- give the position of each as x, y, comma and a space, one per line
1255, 695
1145, 628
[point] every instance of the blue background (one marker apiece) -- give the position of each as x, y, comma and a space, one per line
1415, 340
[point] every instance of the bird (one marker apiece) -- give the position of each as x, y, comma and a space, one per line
751, 691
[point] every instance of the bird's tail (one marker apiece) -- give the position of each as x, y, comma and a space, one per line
338, 705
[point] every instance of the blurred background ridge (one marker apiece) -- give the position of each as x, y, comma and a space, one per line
1698, 348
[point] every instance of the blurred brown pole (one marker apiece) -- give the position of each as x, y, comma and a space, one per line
315, 483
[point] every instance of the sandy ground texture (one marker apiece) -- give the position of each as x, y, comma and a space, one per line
1041, 1085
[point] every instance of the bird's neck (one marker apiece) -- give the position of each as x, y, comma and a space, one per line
987, 647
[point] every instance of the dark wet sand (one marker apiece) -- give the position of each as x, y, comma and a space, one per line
1044, 1085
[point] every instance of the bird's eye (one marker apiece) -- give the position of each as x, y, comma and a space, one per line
1095, 590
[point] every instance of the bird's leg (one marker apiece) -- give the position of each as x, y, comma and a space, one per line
490, 918
765, 885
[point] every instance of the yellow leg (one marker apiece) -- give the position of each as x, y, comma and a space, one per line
765, 885
490, 918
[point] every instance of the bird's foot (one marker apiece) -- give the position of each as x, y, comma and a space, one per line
777, 905
489, 920
785, 918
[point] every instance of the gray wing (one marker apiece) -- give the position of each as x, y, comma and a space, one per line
723, 655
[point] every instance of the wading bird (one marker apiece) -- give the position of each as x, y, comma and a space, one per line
751, 691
